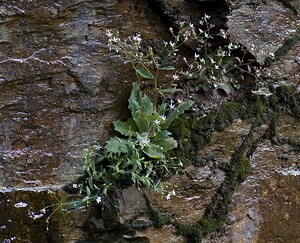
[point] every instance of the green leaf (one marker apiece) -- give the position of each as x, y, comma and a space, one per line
122, 127
154, 152
75, 204
144, 73
168, 91
161, 109
167, 143
161, 135
167, 68
174, 113
142, 109
143, 139
116, 145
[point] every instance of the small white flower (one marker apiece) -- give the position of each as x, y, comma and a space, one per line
179, 101
173, 192
206, 16
43, 211
172, 44
191, 25
115, 39
223, 33
171, 29
157, 122
202, 60
196, 55
74, 185
98, 200
163, 118
175, 77
108, 33
168, 197
137, 38
216, 66
212, 60
172, 106
180, 163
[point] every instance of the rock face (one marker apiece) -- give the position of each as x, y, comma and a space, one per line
60, 89
59, 92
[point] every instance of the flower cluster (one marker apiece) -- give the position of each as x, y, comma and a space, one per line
207, 66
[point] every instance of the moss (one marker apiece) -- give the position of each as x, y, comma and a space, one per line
284, 94
273, 101
160, 219
258, 107
243, 168
228, 113
283, 100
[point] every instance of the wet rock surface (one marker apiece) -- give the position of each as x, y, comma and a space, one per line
60, 89
263, 27
268, 195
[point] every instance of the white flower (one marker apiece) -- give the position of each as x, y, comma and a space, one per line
172, 44
196, 55
191, 25
223, 33
171, 29
206, 16
216, 66
168, 197
172, 106
98, 200
157, 122
108, 33
173, 192
74, 185
212, 60
175, 76
163, 118
115, 39
137, 38
43, 211
202, 60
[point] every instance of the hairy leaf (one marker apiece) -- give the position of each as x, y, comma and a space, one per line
154, 152
144, 73
167, 143
122, 127
167, 68
116, 145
